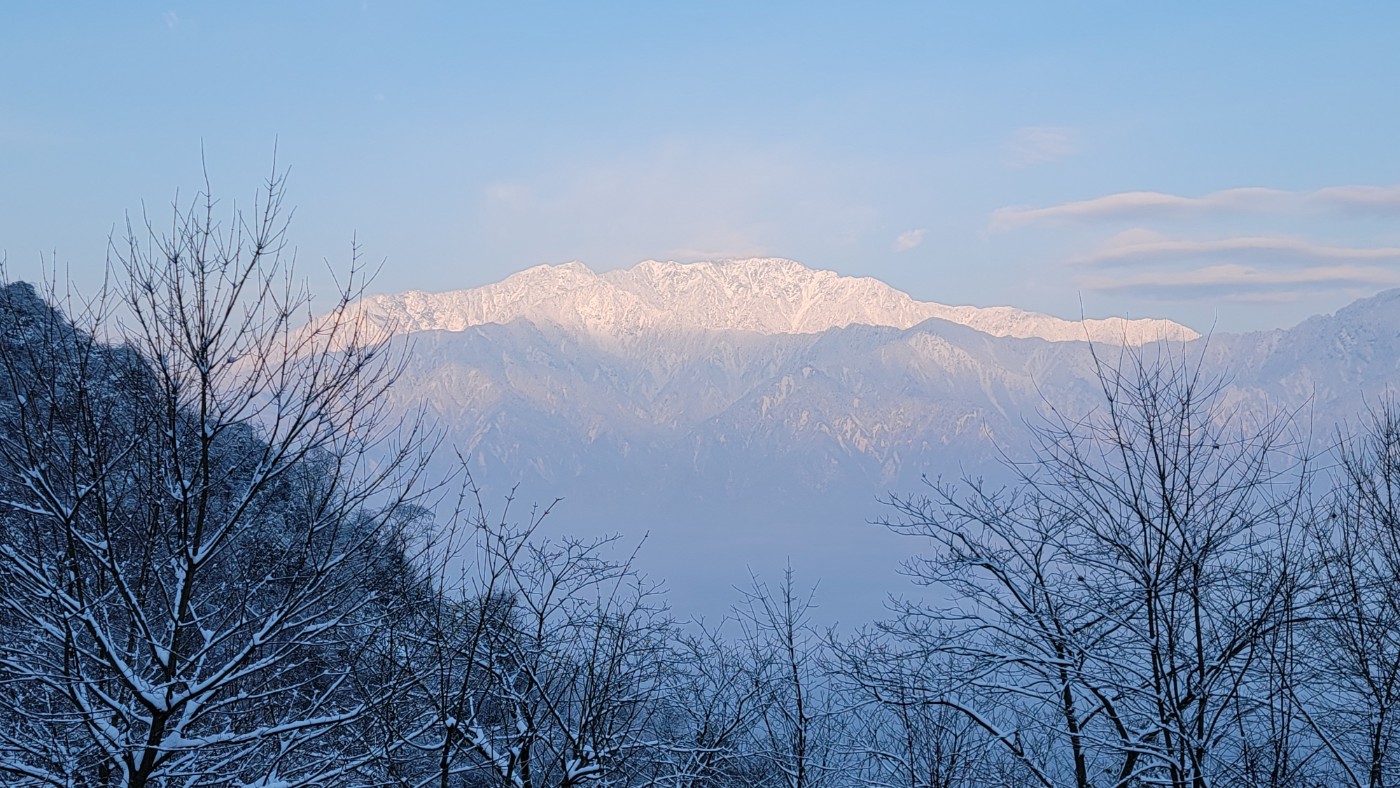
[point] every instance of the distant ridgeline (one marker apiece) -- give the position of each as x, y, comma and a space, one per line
765, 295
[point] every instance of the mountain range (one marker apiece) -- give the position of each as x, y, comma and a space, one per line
744, 414
762, 295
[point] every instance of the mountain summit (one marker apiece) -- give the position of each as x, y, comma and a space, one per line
763, 295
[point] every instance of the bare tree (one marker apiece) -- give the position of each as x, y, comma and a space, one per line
1116, 604
1015, 645
714, 697
1351, 698
190, 520
536, 662
898, 737
797, 719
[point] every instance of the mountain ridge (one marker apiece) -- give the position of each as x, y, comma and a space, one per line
763, 295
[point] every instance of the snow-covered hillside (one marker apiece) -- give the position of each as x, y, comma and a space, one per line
766, 295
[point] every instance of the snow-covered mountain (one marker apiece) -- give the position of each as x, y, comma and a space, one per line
741, 419
769, 296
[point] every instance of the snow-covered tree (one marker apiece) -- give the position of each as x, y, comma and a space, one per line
898, 737
1350, 694
1111, 616
715, 695
191, 526
539, 662
798, 723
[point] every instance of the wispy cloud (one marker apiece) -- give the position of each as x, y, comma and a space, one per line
1233, 281
1360, 199
1137, 205
1041, 144
1245, 200
909, 239
1271, 248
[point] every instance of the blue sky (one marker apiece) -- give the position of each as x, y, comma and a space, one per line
1234, 166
